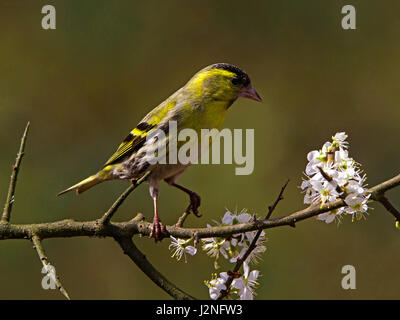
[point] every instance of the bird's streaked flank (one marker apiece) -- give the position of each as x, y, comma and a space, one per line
201, 104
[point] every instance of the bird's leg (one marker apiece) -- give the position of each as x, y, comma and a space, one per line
194, 199
158, 231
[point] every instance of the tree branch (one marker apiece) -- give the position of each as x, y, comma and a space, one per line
378, 194
140, 260
14, 175
384, 186
70, 228
37, 245
389, 207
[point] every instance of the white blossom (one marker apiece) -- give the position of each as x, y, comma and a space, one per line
216, 285
339, 140
215, 246
230, 218
235, 246
255, 255
325, 191
180, 247
330, 216
346, 180
247, 283
356, 205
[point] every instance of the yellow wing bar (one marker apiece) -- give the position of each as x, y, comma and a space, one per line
134, 140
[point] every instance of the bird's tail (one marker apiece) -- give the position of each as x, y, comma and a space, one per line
84, 184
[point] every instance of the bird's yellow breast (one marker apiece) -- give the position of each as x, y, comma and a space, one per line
208, 115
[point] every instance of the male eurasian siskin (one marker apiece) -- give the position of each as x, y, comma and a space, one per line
201, 104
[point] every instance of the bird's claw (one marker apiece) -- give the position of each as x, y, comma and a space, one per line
158, 230
194, 204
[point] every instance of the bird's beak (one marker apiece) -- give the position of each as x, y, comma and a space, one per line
250, 93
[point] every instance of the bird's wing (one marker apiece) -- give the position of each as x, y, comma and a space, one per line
137, 137
133, 141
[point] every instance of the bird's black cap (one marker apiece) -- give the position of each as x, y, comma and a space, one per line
241, 76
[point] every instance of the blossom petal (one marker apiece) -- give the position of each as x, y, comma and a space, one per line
191, 250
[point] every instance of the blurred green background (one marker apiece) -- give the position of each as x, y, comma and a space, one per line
85, 85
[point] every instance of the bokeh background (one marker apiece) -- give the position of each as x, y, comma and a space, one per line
85, 85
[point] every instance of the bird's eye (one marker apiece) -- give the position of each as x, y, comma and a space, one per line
235, 81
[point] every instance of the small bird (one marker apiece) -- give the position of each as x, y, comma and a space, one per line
201, 104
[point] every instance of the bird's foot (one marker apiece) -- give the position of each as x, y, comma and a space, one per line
194, 204
158, 230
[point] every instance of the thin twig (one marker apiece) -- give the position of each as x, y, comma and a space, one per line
327, 177
378, 194
110, 212
389, 207
140, 260
182, 219
37, 245
252, 246
280, 197
13, 182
